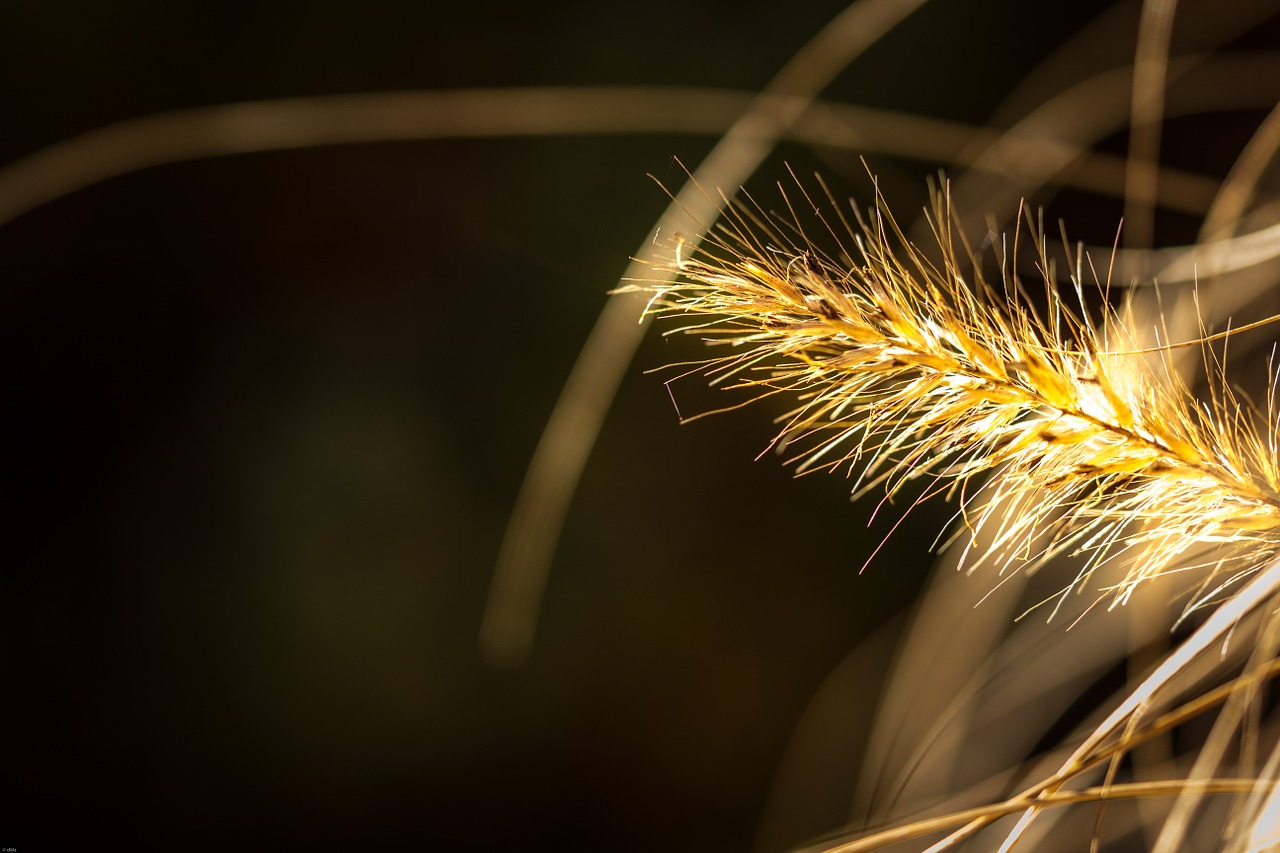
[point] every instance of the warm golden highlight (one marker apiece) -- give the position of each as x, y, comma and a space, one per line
906, 367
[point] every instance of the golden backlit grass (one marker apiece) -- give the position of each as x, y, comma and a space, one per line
1069, 442
1033, 406
1055, 433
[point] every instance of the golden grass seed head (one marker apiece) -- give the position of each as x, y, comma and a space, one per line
905, 368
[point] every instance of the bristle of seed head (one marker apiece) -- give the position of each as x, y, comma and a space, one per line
904, 369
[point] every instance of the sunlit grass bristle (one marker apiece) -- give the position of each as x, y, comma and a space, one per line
1054, 430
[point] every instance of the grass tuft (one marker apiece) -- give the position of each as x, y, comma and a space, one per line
1058, 434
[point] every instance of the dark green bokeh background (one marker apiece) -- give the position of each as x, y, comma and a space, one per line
265, 417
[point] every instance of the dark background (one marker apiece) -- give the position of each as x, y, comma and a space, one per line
264, 418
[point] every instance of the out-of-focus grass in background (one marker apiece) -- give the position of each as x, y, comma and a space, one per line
266, 415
